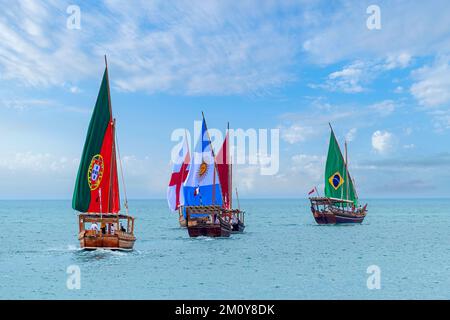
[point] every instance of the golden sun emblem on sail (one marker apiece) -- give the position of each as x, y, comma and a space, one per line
95, 172
202, 170
336, 180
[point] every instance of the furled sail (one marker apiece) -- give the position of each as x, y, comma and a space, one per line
202, 186
338, 183
97, 188
223, 163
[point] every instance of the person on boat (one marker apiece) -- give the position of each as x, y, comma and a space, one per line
122, 228
94, 227
103, 227
112, 228
234, 219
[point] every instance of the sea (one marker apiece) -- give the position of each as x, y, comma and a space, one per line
400, 251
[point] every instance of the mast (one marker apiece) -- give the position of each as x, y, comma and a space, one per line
113, 137
188, 152
214, 159
113, 163
230, 172
347, 184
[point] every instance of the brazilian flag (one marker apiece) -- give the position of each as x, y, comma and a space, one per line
338, 183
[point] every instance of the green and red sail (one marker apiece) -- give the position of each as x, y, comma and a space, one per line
97, 186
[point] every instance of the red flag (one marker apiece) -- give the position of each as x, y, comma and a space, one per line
179, 175
223, 169
312, 191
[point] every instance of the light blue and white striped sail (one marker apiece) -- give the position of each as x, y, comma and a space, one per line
202, 185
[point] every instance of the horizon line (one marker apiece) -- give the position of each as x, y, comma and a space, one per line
246, 198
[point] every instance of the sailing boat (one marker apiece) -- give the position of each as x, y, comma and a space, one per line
340, 204
225, 171
96, 193
202, 193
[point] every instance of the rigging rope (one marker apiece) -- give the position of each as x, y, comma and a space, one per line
121, 173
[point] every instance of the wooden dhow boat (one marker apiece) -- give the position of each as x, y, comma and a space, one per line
340, 204
207, 221
203, 199
96, 193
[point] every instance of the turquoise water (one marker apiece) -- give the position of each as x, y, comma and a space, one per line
282, 255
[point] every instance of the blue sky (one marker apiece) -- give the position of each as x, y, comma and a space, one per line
291, 65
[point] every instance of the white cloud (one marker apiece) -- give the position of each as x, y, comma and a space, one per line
382, 141
347, 119
399, 89
409, 131
310, 165
351, 135
355, 77
214, 48
22, 104
296, 176
184, 47
296, 133
135, 166
349, 80
384, 108
35, 50
432, 87
441, 119
144, 175
394, 61
414, 30
75, 89
246, 177
40, 163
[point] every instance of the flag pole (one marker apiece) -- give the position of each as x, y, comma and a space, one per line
100, 196
187, 154
113, 134
183, 172
347, 184
237, 198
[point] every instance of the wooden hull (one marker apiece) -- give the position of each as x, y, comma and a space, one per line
336, 217
182, 221
120, 241
209, 230
238, 227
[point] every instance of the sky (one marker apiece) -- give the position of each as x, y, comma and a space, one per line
294, 66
